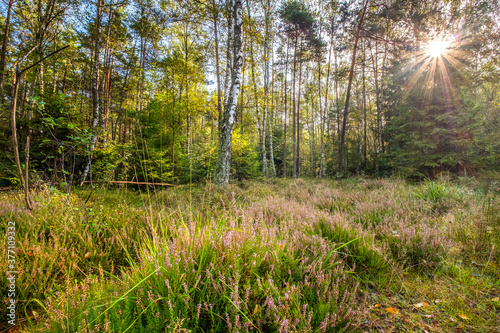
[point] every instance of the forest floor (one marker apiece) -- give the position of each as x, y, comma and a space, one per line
277, 255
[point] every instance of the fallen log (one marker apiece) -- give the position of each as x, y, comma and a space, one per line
130, 182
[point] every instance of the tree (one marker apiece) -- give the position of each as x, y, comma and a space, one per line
226, 132
17, 74
348, 93
436, 120
4, 47
299, 25
95, 86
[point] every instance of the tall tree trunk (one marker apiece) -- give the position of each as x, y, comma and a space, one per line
242, 95
188, 118
322, 170
337, 102
215, 15
266, 100
229, 60
382, 90
173, 131
95, 89
311, 133
4, 48
271, 126
54, 81
123, 97
360, 130
64, 77
348, 94
377, 104
26, 162
286, 105
224, 158
298, 120
108, 68
294, 115
261, 122
17, 75
365, 125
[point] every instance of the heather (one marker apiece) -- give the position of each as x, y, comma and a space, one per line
276, 255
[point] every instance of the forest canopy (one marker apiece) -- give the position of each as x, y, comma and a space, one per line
158, 90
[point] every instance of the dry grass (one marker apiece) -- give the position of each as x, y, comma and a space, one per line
274, 256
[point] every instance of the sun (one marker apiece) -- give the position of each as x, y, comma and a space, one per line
437, 48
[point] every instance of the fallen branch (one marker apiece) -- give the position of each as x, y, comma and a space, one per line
133, 183
9, 188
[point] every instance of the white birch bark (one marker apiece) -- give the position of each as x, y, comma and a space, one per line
226, 132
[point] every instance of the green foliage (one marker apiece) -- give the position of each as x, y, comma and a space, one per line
433, 191
298, 16
431, 129
244, 159
360, 253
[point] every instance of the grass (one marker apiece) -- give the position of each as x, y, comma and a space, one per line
278, 255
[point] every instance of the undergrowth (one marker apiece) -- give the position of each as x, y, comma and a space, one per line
270, 256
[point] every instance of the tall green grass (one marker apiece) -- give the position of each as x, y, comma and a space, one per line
274, 256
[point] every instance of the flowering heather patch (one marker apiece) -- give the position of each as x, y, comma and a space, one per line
273, 256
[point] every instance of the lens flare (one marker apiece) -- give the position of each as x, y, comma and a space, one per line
437, 48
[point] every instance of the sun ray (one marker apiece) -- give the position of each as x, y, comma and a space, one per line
429, 81
430, 66
437, 48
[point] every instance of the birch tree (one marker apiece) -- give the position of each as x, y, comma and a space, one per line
226, 132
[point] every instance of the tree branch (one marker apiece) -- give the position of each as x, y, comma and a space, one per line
39, 61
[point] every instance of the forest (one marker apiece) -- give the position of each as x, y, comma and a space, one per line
250, 165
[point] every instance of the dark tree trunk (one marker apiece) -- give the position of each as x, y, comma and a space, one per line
286, 105
4, 48
348, 94
95, 89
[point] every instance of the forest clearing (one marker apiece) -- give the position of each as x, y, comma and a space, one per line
250, 166
358, 255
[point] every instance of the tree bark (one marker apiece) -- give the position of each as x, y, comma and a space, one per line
4, 48
261, 122
108, 69
215, 15
188, 117
365, 125
229, 60
294, 115
266, 94
224, 158
17, 75
322, 170
286, 104
95, 89
298, 121
348, 94
271, 126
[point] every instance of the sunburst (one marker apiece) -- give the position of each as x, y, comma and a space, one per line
433, 60
437, 48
